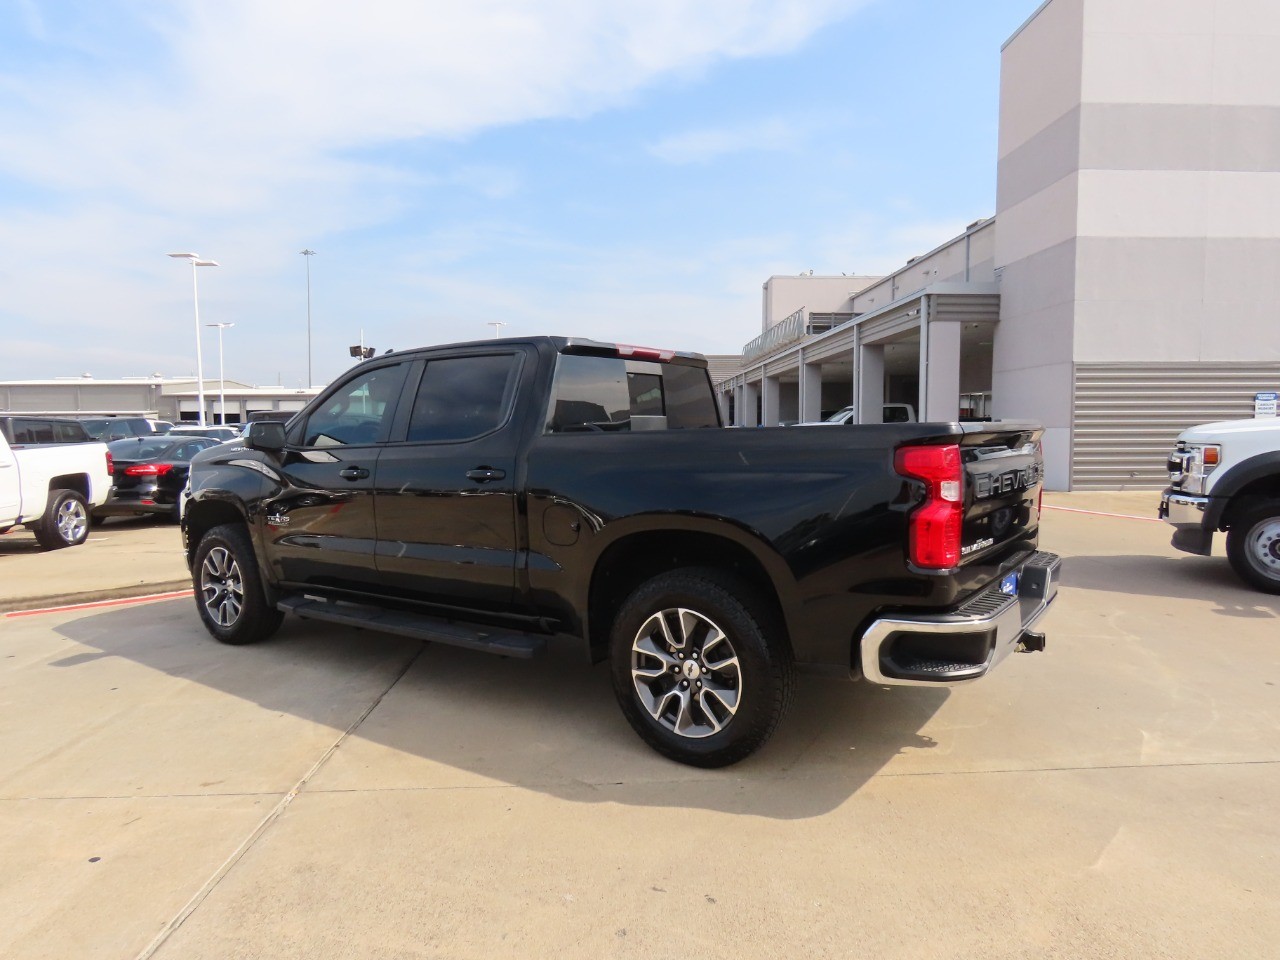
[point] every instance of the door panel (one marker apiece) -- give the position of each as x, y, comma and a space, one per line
9, 488
319, 527
446, 504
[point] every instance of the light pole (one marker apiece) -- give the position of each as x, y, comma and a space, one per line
497, 327
308, 253
195, 260
222, 377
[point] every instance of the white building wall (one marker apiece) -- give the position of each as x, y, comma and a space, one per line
971, 253
784, 295
1138, 197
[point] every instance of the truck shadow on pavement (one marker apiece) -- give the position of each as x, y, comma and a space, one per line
1180, 578
459, 718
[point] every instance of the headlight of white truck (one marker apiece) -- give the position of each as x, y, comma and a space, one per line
1192, 463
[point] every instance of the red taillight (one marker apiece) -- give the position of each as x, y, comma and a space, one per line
934, 527
111, 464
148, 469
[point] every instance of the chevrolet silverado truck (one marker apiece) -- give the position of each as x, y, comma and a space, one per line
502, 494
1225, 476
52, 489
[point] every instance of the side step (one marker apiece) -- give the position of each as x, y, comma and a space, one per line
507, 643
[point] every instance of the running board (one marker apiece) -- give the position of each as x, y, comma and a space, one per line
507, 643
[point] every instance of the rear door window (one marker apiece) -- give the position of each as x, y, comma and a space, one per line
461, 398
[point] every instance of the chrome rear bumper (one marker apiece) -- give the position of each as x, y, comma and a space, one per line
946, 649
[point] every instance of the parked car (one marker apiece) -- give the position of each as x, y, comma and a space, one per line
117, 428
160, 426
1225, 476
24, 431
499, 493
52, 489
149, 474
221, 434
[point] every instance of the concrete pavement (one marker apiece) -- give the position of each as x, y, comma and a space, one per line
123, 557
340, 794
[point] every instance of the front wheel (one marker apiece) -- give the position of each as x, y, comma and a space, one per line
228, 588
1253, 546
65, 522
699, 668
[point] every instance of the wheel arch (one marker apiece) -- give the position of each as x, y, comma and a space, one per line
1241, 487
203, 515
78, 482
636, 556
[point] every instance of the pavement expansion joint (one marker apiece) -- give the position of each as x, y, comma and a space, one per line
266, 822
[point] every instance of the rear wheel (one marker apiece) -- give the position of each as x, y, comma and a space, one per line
229, 595
1253, 546
699, 669
65, 522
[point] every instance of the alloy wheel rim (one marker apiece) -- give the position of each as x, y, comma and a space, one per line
686, 673
1264, 546
72, 521
221, 587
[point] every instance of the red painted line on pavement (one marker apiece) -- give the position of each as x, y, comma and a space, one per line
123, 601
1099, 513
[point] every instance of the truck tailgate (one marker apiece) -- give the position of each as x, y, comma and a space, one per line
1004, 472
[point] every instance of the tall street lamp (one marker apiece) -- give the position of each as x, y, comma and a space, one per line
195, 260
308, 254
222, 377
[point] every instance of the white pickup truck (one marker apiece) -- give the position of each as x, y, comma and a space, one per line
893, 413
52, 490
1226, 476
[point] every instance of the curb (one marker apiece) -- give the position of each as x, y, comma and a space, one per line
130, 592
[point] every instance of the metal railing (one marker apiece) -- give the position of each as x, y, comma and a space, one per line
781, 334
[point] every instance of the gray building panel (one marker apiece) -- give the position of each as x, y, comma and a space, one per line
1045, 158
1127, 415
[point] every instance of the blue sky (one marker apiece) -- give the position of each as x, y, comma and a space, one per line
625, 170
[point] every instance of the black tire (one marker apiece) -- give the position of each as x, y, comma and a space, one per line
660, 692
228, 587
65, 522
1253, 546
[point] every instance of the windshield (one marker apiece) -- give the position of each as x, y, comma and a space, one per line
839, 415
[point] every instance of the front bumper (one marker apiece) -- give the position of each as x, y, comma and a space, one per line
956, 647
1186, 514
1183, 509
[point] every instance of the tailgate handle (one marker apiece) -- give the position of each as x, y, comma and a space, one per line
353, 473
485, 474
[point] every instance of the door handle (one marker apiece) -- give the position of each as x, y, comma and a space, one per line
353, 473
485, 474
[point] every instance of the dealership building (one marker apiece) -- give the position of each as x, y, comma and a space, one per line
1128, 285
176, 399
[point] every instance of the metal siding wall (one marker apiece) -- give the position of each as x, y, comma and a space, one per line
1127, 415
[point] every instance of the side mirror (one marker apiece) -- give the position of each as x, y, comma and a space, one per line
266, 435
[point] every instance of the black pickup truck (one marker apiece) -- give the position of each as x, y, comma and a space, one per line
498, 494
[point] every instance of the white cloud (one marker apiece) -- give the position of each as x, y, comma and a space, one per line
254, 94
703, 146
244, 129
